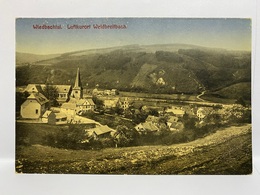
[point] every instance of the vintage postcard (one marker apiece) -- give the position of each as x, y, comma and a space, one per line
137, 96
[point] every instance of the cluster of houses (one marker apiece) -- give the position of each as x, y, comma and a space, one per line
121, 102
173, 118
174, 122
106, 92
73, 104
70, 98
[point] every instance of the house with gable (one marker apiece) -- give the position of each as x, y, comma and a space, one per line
145, 127
85, 105
203, 112
34, 107
70, 109
171, 120
34, 88
64, 91
110, 102
54, 117
153, 119
101, 131
176, 126
175, 111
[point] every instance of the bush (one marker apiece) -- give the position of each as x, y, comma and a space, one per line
69, 138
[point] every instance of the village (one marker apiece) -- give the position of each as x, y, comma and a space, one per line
73, 106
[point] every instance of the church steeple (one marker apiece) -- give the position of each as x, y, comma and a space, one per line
77, 81
77, 91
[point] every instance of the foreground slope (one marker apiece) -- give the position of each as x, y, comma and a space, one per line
228, 151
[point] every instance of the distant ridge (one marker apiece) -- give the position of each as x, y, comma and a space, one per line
28, 58
23, 58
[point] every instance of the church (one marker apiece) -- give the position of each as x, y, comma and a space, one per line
77, 105
77, 90
70, 98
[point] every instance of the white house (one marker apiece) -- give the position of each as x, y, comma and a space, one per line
176, 111
85, 105
111, 102
34, 106
70, 109
64, 92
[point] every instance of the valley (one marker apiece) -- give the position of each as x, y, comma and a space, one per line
136, 109
154, 69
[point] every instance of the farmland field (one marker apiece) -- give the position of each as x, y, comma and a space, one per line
228, 151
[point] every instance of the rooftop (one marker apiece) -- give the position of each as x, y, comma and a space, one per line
40, 98
101, 130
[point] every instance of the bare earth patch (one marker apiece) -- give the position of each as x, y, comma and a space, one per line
228, 151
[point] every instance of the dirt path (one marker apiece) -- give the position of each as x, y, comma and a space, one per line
199, 96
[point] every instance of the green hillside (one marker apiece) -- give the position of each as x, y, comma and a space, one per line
236, 91
172, 68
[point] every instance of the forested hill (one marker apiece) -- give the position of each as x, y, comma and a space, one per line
175, 68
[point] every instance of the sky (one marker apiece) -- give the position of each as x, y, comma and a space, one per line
231, 34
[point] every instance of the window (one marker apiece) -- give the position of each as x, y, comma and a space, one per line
62, 95
36, 111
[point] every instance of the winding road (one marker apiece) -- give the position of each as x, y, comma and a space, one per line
198, 96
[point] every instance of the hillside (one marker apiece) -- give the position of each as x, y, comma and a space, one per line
228, 151
236, 91
172, 68
27, 58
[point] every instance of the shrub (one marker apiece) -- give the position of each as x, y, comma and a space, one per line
69, 138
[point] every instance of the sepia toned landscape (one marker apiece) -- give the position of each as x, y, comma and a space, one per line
171, 102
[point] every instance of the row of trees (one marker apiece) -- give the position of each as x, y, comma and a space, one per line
74, 137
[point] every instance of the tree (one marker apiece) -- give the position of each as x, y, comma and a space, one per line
124, 136
139, 118
153, 112
51, 93
99, 103
68, 137
189, 122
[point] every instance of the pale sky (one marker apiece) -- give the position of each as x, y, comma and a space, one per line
232, 34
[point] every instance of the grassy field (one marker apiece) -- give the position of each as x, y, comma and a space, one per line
215, 99
228, 151
165, 97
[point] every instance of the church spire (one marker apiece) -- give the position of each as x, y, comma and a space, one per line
77, 81
77, 91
